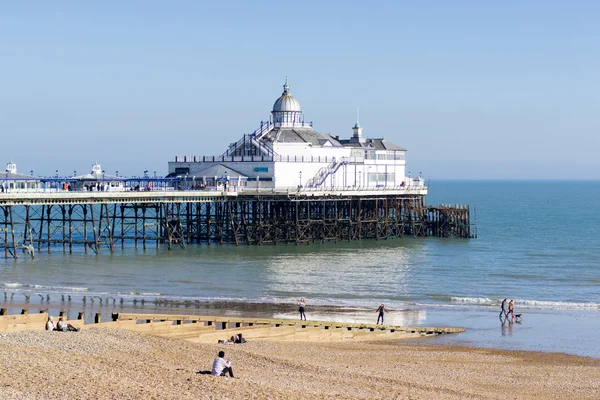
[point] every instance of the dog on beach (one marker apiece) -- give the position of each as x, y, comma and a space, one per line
518, 317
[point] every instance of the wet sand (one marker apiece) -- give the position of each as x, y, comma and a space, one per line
573, 332
113, 364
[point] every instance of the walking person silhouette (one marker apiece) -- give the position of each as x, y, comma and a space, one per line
380, 310
503, 308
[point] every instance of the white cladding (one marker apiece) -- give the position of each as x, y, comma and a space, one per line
287, 153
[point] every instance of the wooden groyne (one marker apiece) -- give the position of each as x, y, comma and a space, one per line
101, 221
211, 329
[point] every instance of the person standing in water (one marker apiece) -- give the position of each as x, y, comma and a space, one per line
380, 310
301, 305
511, 307
503, 308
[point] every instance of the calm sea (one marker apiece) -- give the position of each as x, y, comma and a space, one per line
538, 243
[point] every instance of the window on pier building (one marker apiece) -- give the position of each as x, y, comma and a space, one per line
399, 155
370, 154
182, 171
391, 155
381, 177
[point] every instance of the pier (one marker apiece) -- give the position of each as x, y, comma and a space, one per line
101, 221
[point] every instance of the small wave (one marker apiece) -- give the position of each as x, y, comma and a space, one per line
66, 288
525, 303
144, 294
11, 284
561, 305
50, 288
473, 300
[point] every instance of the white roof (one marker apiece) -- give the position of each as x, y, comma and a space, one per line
286, 102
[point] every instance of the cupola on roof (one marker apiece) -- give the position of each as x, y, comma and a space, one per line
286, 102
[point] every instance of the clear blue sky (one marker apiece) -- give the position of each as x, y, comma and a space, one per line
473, 89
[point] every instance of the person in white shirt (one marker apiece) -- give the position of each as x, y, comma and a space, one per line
62, 325
65, 326
301, 306
50, 326
221, 367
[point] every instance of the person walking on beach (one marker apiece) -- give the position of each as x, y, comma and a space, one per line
301, 305
511, 310
221, 367
503, 308
380, 310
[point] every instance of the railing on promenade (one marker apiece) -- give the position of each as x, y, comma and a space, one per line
53, 196
263, 158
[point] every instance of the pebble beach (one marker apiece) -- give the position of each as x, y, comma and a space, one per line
115, 364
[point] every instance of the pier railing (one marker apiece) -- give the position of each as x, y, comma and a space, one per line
40, 196
263, 158
252, 139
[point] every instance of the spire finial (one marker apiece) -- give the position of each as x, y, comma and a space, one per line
357, 125
286, 87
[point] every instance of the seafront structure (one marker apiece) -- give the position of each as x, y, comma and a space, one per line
13, 180
285, 152
284, 183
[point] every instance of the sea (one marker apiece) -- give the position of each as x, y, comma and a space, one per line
538, 243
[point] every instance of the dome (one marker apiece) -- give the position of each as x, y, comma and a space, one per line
286, 102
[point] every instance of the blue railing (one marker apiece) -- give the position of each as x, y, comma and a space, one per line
271, 158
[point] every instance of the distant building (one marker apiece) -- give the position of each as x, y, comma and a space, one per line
15, 182
98, 180
285, 152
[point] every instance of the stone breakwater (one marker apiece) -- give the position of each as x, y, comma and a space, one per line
115, 364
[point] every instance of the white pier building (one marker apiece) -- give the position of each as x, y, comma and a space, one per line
98, 180
286, 153
13, 181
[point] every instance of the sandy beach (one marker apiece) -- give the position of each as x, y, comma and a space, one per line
115, 364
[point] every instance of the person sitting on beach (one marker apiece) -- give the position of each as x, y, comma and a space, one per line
301, 305
235, 339
65, 327
50, 325
239, 339
221, 367
381, 309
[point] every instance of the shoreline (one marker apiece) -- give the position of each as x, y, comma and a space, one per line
544, 331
